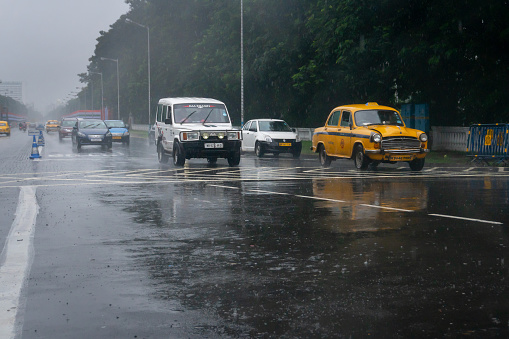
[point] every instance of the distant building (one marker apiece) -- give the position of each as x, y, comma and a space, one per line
12, 89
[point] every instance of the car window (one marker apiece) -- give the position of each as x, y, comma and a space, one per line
3, 124
92, 124
246, 126
345, 119
334, 119
274, 126
377, 117
115, 124
68, 123
253, 127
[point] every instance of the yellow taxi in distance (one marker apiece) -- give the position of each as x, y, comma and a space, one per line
369, 134
52, 125
4, 128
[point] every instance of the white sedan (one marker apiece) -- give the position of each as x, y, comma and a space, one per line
270, 136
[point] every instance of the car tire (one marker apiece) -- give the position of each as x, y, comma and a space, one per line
325, 160
234, 158
161, 154
259, 150
179, 156
360, 159
416, 164
127, 141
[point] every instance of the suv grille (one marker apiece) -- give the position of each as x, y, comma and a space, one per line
401, 144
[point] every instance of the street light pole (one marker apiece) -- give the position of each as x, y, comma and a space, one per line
102, 92
148, 62
118, 87
241, 64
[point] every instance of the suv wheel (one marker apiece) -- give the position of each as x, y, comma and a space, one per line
161, 154
360, 159
179, 157
234, 158
325, 160
259, 149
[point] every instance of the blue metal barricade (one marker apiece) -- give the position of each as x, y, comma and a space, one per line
489, 142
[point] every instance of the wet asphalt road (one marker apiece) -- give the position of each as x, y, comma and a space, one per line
127, 248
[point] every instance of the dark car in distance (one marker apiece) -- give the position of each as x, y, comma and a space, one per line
119, 131
91, 132
65, 129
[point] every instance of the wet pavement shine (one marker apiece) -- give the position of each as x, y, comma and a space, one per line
278, 247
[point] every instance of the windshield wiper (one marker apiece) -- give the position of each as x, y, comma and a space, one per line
187, 117
204, 120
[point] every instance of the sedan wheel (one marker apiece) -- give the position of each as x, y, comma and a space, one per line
258, 150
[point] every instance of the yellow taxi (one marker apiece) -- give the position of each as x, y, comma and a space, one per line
369, 134
4, 128
52, 125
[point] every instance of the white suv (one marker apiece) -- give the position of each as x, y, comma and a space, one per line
195, 128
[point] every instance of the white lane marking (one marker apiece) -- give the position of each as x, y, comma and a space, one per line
468, 219
16, 260
387, 208
469, 169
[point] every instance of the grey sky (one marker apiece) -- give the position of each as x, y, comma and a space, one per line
46, 43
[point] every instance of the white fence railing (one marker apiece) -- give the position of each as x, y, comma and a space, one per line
442, 138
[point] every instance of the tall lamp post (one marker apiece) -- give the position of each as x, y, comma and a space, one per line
148, 62
118, 87
102, 91
241, 64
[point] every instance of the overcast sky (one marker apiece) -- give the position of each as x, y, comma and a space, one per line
46, 43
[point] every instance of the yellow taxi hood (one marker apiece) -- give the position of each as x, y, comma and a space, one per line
395, 131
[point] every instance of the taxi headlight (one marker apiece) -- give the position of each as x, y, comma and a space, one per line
376, 138
423, 137
205, 135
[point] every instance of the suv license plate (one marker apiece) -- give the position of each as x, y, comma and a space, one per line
214, 145
96, 139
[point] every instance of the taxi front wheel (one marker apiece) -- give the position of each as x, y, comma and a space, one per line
325, 160
360, 159
416, 164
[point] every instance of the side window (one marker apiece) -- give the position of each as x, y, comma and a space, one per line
253, 127
159, 113
246, 126
165, 111
168, 114
334, 119
345, 119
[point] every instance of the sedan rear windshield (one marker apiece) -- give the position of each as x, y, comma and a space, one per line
377, 117
94, 124
276, 126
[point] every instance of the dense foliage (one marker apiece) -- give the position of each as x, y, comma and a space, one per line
304, 57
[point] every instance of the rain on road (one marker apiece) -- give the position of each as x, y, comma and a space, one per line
278, 247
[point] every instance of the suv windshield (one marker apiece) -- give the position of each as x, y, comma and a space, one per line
200, 113
93, 124
377, 117
276, 126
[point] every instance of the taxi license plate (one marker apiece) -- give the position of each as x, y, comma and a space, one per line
214, 145
116, 138
401, 158
285, 144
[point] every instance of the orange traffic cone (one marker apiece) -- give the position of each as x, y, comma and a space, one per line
35, 150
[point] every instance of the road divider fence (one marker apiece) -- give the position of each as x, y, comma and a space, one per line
489, 144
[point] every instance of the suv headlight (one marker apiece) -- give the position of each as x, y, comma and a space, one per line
297, 138
376, 138
235, 135
268, 138
189, 136
220, 135
423, 137
205, 135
